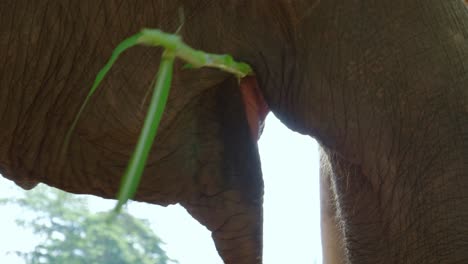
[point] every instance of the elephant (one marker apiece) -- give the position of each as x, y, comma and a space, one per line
380, 85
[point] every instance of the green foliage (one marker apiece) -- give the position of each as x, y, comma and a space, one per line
73, 234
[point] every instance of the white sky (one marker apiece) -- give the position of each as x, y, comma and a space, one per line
291, 209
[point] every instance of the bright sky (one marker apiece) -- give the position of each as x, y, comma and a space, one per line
291, 209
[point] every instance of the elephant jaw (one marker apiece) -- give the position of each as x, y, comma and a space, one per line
256, 108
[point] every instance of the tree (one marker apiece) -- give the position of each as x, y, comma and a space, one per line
74, 235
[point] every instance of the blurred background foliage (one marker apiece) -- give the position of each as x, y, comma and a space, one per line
71, 233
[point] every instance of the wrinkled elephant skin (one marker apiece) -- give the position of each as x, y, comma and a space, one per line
381, 85
204, 156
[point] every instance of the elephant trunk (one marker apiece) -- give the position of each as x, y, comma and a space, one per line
229, 203
236, 229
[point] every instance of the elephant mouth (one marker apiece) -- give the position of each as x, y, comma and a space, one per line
256, 108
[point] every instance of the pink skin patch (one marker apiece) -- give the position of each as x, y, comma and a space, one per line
255, 105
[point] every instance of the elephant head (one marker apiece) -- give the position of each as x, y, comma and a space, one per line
382, 87
204, 157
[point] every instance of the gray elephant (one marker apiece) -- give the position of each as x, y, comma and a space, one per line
381, 85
